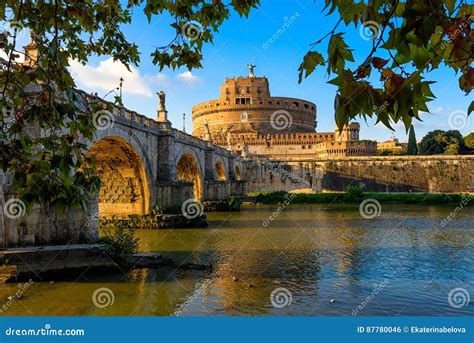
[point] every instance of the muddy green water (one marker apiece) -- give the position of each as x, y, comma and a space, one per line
328, 259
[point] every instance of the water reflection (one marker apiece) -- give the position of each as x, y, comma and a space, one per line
318, 252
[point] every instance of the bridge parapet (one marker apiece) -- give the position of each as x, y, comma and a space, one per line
133, 117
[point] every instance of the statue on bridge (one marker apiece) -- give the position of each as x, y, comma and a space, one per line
162, 112
162, 99
207, 132
229, 140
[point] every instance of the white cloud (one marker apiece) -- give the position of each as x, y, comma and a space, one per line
159, 79
188, 78
107, 74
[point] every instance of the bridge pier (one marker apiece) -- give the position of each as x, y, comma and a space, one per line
44, 225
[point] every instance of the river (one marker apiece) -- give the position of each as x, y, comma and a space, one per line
316, 259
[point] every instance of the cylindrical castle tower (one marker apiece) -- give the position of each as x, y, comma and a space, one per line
246, 106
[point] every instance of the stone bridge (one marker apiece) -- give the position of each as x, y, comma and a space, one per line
142, 163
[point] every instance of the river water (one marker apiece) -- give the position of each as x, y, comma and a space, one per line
314, 259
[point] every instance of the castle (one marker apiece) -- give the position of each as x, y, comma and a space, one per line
246, 119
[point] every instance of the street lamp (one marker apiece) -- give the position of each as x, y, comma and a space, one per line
184, 122
121, 82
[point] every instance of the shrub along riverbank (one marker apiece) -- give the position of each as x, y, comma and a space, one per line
355, 195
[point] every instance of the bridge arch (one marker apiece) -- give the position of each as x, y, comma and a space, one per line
220, 170
238, 173
124, 171
188, 169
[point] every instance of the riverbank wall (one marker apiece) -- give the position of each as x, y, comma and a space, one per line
432, 174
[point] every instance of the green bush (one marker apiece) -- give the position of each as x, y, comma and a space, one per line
122, 243
354, 193
233, 203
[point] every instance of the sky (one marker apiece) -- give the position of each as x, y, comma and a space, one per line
247, 40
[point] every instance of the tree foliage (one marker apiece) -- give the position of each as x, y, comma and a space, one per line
408, 40
469, 140
45, 125
412, 148
442, 142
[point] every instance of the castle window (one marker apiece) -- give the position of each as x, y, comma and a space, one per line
296, 104
227, 91
270, 102
243, 101
259, 90
278, 103
312, 107
248, 89
306, 106
303, 147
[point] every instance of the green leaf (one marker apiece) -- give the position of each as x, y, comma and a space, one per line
338, 54
310, 61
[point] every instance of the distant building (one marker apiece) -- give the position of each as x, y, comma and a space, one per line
247, 119
391, 147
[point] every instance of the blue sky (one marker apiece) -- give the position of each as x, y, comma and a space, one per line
241, 41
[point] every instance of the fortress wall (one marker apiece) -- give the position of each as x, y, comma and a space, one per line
434, 174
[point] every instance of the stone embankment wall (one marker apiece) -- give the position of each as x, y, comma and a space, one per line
435, 174
264, 177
